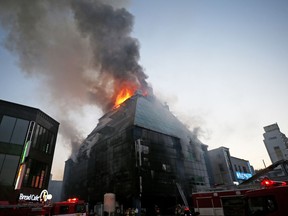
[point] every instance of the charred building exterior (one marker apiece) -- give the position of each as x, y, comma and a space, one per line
141, 152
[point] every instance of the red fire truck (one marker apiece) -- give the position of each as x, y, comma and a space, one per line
270, 200
71, 207
214, 202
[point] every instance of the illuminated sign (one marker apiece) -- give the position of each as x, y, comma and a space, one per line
26, 151
31, 197
243, 176
43, 197
20, 176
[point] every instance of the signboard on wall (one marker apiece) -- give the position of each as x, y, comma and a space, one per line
42, 197
243, 176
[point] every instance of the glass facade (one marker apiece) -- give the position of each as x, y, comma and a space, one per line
12, 134
8, 168
139, 152
35, 174
27, 143
43, 139
13, 130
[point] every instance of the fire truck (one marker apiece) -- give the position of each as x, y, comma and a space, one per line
71, 207
269, 199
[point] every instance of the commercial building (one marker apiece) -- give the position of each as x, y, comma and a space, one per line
276, 143
27, 143
143, 154
242, 169
228, 171
55, 188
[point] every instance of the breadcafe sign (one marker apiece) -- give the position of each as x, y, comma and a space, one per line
43, 197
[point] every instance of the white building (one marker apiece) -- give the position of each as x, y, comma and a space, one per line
227, 170
276, 143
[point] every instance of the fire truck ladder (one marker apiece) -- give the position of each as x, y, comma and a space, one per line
283, 163
182, 194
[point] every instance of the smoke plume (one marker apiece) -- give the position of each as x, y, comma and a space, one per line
81, 50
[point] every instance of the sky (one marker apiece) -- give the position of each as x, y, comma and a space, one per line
220, 65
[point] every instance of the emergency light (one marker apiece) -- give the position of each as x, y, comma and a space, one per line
269, 183
73, 200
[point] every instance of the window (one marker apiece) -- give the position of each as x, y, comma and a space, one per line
6, 128
64, 209
221, 168
13, 130
166, 167
80, 208
43, 140
8, 169
19, 132
36, 136
2, 157
145, 149
278, 153
263, 205
244, 169
146, 162
36, 174
239, 168
233, 205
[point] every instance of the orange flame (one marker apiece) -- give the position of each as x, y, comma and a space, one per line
123, 95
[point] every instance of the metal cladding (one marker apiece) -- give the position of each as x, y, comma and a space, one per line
139, 151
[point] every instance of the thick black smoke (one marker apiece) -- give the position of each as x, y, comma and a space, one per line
115, 52
81, 50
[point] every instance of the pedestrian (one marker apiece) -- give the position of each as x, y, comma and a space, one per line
157, 210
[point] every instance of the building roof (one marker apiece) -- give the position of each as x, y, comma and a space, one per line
142, 111
271, 127
8, 107
151, 114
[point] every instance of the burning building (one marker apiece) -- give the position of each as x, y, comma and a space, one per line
139, 149
141, 152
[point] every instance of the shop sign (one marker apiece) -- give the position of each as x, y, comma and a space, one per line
43, 197
243, 176
31, 197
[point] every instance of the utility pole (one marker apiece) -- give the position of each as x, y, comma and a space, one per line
264, 163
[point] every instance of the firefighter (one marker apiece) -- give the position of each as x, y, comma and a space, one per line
157, 210
178, 210
127, 212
